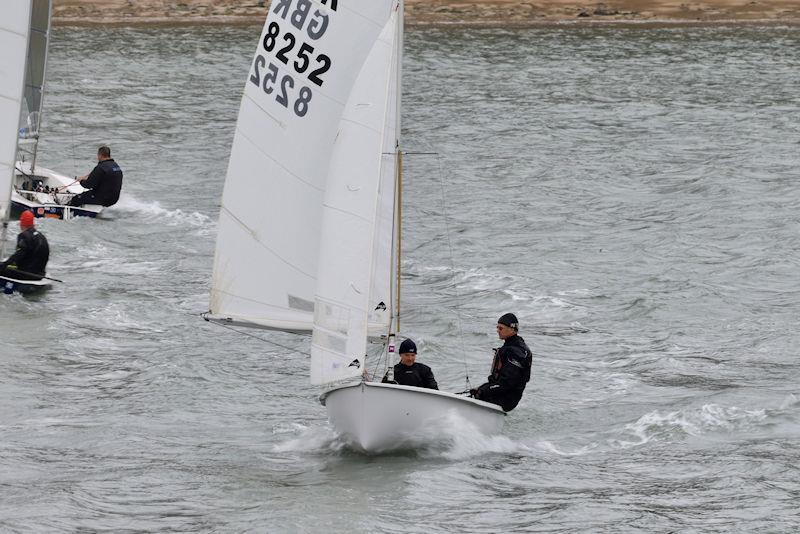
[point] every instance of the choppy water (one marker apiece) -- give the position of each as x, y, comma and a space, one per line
631, 194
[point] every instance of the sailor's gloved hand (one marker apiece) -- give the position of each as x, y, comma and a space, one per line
473, 393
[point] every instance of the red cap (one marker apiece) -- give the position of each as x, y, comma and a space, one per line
26, 219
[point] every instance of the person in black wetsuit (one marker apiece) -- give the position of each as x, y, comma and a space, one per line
31, 255
410, 373
104, 182
511, 367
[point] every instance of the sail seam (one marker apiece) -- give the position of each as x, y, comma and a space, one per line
363, 125
265, 247
340, 210
250, 139
376, 23
12, 32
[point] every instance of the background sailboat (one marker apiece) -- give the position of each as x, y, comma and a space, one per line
15, 31
318, 138
40, 190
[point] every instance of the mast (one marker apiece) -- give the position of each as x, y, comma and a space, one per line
398, 237
399, 195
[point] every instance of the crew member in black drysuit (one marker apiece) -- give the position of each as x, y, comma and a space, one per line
410, 373
511, 367
104, 182
32, 252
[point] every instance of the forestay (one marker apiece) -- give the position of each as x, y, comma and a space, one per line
14, 31
308, 58
354, 296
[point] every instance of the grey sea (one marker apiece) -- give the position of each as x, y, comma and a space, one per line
631, 194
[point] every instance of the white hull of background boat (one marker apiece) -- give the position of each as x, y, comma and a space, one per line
375, 417
49, 203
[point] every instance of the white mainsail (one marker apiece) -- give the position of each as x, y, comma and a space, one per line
355, 263
308, 59
30, 117
14, 31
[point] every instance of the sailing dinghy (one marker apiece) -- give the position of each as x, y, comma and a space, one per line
318, 138
43, 191
15, 29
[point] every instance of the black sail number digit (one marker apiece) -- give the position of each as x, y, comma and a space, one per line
267, 75
256, 76
315, 74
281, 55
270, 77
271, 36
283, 97
302, 54
305, 54
303, 99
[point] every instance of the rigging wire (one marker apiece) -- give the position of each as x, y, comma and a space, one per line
453, 269
248, 334
73, 136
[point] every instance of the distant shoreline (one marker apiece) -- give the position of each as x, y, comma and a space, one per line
446, 13
486, 24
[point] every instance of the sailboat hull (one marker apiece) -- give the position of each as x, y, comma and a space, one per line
10, 285
374, 417
49, 205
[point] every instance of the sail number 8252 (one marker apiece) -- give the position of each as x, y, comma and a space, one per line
269, 83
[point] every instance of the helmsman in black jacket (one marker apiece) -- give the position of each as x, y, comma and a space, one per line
511, 367
31, 255
410, 373
104, 183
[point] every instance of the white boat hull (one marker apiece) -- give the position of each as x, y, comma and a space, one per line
374, 417
50, 204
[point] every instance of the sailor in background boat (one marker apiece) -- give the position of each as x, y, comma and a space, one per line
31, 255
511, 367
104, 182
410, 373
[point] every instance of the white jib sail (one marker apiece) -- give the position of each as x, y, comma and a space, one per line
308, 58
355, 250
14, 31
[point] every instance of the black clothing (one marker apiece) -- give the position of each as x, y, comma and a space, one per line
81, 199
31, 255
418, 375
511, 371
104, 182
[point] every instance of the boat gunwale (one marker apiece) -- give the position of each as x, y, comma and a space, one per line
34, 283
426, 391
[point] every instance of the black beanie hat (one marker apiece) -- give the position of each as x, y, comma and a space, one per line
509, 319
407, 346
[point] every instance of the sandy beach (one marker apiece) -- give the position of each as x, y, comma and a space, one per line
442, 12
